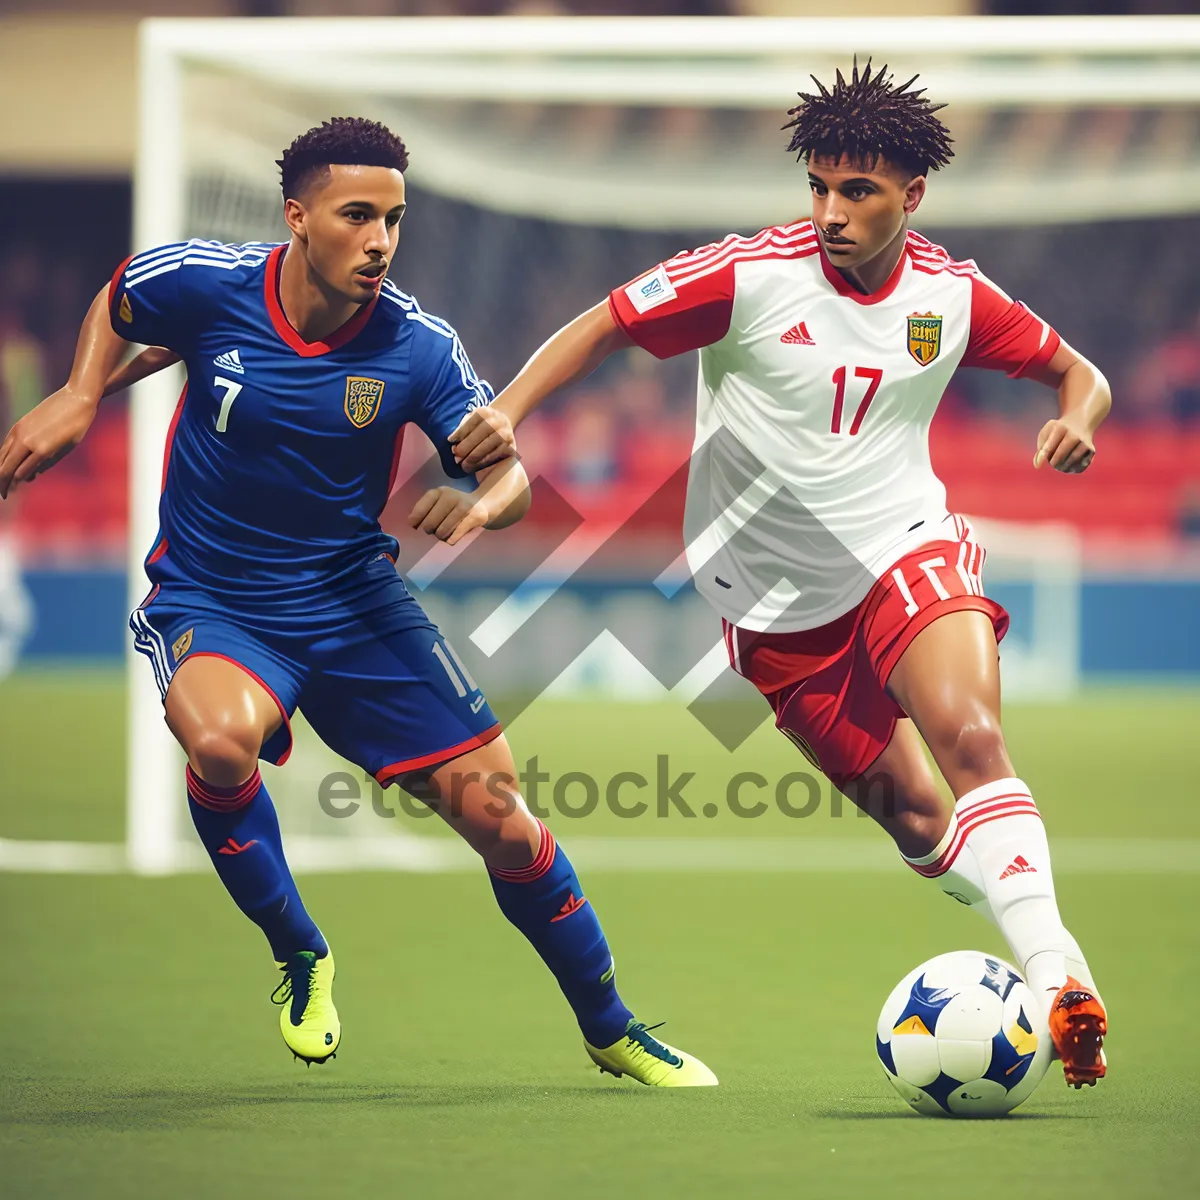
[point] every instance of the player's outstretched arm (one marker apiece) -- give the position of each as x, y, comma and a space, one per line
1084, 398
56, 426
575, 351
149, 362
501, 498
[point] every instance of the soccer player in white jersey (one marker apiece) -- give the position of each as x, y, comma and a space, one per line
849, 595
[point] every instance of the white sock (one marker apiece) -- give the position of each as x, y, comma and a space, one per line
956, 874
994, 857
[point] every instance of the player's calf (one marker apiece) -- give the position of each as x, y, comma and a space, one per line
546, 902
537, 889
240, 830
533, 881
899, 793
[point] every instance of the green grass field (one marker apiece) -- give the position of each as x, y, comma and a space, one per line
140, 1056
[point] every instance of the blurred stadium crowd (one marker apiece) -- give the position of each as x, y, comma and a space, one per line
624, 430
1125, 293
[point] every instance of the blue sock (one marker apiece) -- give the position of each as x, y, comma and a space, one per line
545, 902
240, 831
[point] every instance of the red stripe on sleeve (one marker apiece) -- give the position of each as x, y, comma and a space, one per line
113, 284
667, 320
1005, 335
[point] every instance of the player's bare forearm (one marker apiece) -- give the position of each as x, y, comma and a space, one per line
1084, 399
504, 489
1084, 395
56, 426
500, 499
573, 353
149, 362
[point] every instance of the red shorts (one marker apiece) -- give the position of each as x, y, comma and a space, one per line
828, 686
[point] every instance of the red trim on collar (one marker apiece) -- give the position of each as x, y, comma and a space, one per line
843, 288
283, 327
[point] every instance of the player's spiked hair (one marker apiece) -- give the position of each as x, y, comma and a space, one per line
869, 118
344, 141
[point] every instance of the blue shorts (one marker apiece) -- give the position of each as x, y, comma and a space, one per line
371, 673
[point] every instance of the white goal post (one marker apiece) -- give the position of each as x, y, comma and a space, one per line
227, 94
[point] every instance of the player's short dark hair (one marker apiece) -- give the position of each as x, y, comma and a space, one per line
869, 118
341, 141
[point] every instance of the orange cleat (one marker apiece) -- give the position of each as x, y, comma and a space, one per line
1078, 1024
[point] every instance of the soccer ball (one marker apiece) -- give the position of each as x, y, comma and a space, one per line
961, 1036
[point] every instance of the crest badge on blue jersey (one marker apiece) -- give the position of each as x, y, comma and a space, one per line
182, 644
363, 398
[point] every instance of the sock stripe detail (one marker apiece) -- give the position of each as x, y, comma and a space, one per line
542, 862
962, 809
220, 799
981, 814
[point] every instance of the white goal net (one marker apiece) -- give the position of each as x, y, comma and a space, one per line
551, 160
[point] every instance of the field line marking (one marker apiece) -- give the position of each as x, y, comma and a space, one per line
63, 858
307, 854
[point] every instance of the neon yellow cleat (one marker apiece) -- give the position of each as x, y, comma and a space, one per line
309, 1022
650, 1061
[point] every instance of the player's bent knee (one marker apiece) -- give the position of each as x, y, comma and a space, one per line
223, 757
977, 750
507, 842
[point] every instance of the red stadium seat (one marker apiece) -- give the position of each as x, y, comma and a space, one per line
1136, 488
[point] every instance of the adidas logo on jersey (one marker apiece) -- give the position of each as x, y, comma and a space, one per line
1018, 866
229, 361
797, 336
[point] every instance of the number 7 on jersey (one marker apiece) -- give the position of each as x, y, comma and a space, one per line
231, 394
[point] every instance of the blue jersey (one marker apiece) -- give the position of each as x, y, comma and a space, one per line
282, 452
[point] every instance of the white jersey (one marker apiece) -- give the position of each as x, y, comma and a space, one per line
810, 474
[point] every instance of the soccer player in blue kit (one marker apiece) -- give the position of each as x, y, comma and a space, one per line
274, 588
